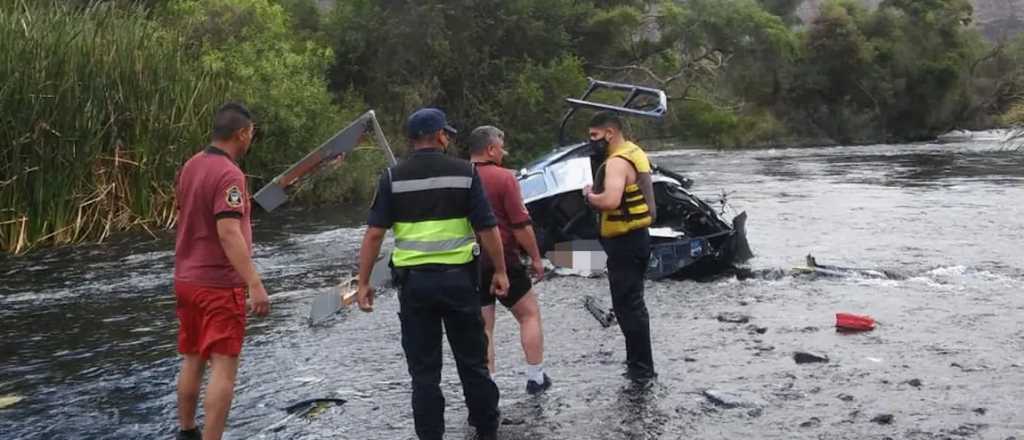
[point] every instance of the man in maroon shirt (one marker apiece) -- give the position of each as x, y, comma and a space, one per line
487, 151
213, 271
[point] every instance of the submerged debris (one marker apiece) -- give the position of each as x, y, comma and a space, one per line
803, 357
605, 317
7, 401
752, 328
733, 317
883, 419
733, 399
812, 423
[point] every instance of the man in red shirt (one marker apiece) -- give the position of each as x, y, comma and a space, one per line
213, 270
487, 151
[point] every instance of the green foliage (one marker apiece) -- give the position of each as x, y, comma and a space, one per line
104, 99
907, 71
102, 103
784, 9
100, 106
251, 44
484, 62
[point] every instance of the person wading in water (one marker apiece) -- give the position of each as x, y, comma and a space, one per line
213, 271
437, 207
624, 197
487, 151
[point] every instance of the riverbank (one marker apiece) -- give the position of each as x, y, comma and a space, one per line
88, 333
103, 103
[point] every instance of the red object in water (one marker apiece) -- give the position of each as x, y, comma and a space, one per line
848, 321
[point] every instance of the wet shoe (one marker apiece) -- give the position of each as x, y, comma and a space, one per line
191, 434
537, 388
641, 377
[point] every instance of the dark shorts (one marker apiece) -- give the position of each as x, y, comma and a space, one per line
211, 320
519, 284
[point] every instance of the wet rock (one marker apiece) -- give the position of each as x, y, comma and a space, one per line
756, 412
511, 421
810, 329
883, 419
916, 383
733, 317
689, 359
733, 399
967, 369
846, 397
804, 357
980, 411
814, 422
763, 348
755, 329
969, 430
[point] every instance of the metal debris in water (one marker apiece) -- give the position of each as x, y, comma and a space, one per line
605, 317
8, 401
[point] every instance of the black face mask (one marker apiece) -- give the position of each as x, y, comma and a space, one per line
599, 147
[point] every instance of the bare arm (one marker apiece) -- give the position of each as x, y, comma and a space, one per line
368, 252
528, 241
229, 231
616, 172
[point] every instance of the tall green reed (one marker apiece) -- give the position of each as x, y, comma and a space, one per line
98, 109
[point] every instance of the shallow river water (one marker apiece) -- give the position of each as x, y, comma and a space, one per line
87, 334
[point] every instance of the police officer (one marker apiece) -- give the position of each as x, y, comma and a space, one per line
624, 196
435, 203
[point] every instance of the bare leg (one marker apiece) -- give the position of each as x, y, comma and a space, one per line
488, 314
189, 380
531, 332
219, 394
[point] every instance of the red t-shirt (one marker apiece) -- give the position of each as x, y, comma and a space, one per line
210, 186
506, 201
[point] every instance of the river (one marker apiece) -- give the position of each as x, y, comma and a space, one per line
87, 334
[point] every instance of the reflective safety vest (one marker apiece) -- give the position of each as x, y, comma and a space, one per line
430, 205
633, 212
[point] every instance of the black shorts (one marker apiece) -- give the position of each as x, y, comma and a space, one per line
519, 284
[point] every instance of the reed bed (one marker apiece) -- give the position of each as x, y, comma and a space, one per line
98, 109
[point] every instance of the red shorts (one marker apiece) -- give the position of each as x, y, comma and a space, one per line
212, 319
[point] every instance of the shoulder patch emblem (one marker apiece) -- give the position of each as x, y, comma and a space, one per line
233, 196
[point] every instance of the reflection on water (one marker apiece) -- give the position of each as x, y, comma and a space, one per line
87, 333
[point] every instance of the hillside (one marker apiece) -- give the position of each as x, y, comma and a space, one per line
995, 18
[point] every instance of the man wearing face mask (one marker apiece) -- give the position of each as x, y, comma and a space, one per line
213, 271
624, 196
437, 207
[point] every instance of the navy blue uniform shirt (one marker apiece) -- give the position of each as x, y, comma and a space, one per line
480, 214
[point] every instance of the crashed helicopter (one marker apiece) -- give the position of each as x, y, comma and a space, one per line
689, 239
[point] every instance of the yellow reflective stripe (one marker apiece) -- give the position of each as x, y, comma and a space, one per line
449, 241
433, 230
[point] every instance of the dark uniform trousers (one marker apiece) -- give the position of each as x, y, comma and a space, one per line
628, 255
427, 299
